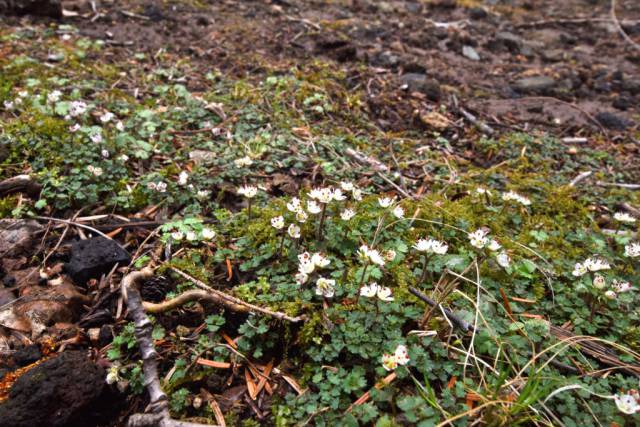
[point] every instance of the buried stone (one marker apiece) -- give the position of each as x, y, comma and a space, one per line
94, 257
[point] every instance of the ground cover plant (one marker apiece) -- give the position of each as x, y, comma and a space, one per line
306, 265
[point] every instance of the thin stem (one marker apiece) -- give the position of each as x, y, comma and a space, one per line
424, 269
321, 224
281, 243
364, 272
249, 208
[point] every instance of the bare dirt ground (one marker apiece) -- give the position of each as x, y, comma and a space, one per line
517, 64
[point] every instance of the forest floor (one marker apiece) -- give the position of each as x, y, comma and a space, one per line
472, 259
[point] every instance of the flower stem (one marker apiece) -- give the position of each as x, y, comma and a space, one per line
281, 244
249, 209
321, 224
424, 269
364, 272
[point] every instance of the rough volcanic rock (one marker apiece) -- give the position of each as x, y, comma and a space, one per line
94, 257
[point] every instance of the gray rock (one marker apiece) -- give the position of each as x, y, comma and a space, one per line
470, 53
612, 121
538, 84
509, 40
417, 82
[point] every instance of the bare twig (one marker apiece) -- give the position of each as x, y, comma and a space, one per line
158, 401
376, 164
189, 296
618, 184
615, 21
582, 176
236, 301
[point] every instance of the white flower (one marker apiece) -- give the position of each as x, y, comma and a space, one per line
277, 222
628, 403
54, 96
313, 207
177, 236
191, 236
632, 250
493, 245
294, 205
338, 195
624, 217
113, 374
325, 287
579, 270
482, 190
107, 117
347, 186
385, 202
120, 126
208, 233
384, 294
610, 294
161, 187
124, 158
503, 259
375, 257
95, 170
301, 216
401, 355
203, 194
323, 195
398, 212
183, 178
621, 287
301, 278
96, 138
105, 153
248, 191
347, 214
74, 128
306, 267
77, 108
389, 362
517, 197
478, 238
320, 260
431, 246
23, 94
243, 161
8, 105
390, 255
599, 282
356, 194
596, 264
293, 231
369, 291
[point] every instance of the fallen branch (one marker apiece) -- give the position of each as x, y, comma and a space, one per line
376, 164
237, 301
190, 296
460, 323
616, 23
477, 122
582, 176
158, 401
619, 184
20, 184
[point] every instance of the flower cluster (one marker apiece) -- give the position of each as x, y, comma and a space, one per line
399, 357
510, 195
95, 170
590, 265
243, 161
159, 186
624, 217
431, 246
307, 264
192, 236
383, 293
327, 194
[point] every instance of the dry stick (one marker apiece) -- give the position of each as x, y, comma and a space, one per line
620, 185
190, 296
624, 35
581, 177
158, 401
230, 299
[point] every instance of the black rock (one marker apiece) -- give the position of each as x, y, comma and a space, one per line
27, 355
94, 257
58, 392
510, 41
622, 102
612, 121
477, 13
